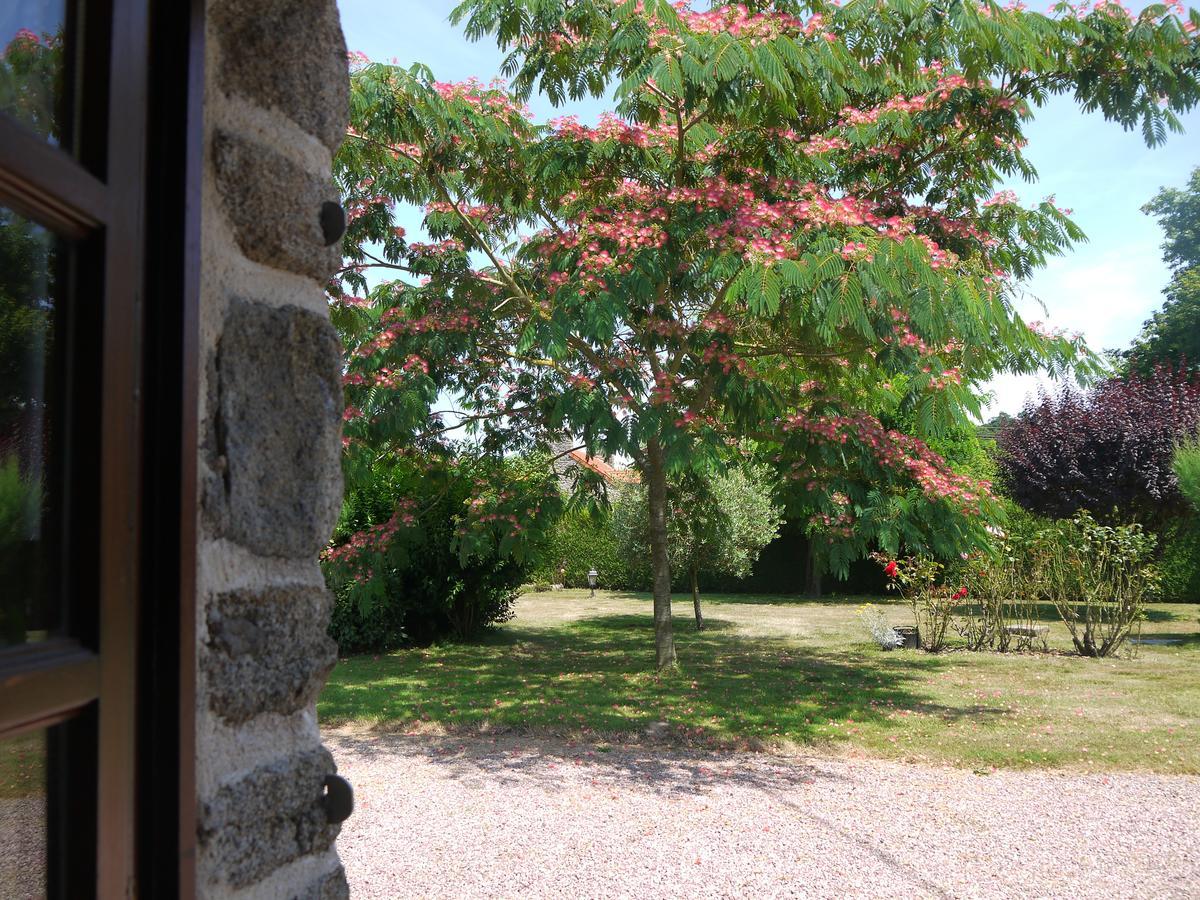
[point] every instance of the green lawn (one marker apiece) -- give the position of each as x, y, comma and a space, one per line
22, 765
778, 672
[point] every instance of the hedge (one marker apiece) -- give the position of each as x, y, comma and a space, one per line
1180, 563
584, 541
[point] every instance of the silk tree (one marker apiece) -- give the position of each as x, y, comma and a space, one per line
788, 223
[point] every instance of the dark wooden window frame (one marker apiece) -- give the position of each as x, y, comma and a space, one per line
122, 682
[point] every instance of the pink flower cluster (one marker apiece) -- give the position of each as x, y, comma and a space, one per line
613, 128
483, 214
625, 229
357, 207
345, 300
822, 144
396, 324
24, 36
899, 452
1001, 198
841, 525
944, 380
719, 322
376, 538
488, 511
450, 245
938, 258
945, 86
959, 228
490, 99
726, 360
738, 21
758, 228
663, 391
387, 377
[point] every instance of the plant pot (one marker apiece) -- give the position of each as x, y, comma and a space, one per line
911, 635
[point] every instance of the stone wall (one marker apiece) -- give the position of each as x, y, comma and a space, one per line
276, 98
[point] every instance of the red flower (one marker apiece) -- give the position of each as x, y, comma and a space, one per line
891, 569
960, 593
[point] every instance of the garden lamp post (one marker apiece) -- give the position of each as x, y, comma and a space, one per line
593, 576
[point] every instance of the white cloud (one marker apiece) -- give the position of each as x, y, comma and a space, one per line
1105, 293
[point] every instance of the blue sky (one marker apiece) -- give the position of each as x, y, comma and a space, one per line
1104, 288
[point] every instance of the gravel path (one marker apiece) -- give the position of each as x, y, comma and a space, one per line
22, 848
516, 818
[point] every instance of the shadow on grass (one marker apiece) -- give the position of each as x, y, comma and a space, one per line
1178, 639
1046, 612
593, 678
718, 599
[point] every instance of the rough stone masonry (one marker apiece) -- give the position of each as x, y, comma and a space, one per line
276, 106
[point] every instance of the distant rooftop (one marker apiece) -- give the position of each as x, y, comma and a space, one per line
603, 469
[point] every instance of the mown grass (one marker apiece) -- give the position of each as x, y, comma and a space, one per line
772, 671
23, 765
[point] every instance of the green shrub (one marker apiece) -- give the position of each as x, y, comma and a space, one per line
415, 580
1186, 466
1098, 577
1180, 562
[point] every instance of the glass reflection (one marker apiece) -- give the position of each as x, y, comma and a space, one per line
32, 72
23, 815
27, 265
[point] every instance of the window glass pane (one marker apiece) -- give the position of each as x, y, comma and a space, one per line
33, 85
23, 827
28, 262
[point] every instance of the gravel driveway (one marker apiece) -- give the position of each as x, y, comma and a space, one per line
513, 817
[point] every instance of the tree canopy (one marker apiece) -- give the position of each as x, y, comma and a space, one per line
1108, 451
1172, 334
789, 223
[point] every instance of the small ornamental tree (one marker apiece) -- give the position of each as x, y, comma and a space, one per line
791, 213
1108, 451
718, 525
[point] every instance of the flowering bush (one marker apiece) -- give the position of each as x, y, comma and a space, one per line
874, 622
416, 555
1098, 578
1002, 590
916, 579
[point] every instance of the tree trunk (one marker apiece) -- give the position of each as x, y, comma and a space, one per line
812, 574
696, 599
656, 490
